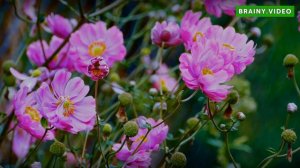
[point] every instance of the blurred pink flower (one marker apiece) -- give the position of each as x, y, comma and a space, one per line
21, 142
58, 25
162, 79
232, 43
140, 159
205, 70
31, 81
95, 40
98, 68
156, 136
28, 115
216, 7
298, 17
29, 10
64, 59
167, 33
65, 105
193, 29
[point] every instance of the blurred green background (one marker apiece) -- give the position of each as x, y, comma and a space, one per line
269, 85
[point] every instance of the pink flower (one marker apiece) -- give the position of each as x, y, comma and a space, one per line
140, 159
29, 10
167, 33
58, 25
21, 142
193, 29
28, 115
162, 79
65, 105
234, 43
39, 75
156, 136
95, 40
98, 68
62, 60
298, 17
216, 7
204, 69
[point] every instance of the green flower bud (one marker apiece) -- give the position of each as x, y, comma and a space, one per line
192, 122
178, 159
7, 65
114, 77
233, 97
107, 129
106, 88
125, 98
36, 73
145, 51
58, 148
289, 136
290, 60
131, 128
9, 80
268, 40
44, 122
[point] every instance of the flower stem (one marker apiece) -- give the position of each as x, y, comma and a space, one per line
190, 97
228, 150
264, 163
296, 84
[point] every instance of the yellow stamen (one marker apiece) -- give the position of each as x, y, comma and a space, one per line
230, 47
207, 71
197, 34
96, 49
33, 113
141, 138
68, 106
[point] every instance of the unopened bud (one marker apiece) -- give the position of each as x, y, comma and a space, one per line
146, 51
268, 40
158, 106
222, 126
192, 122
131, 128
292, 107
9, 80
125, 98
178, 159
233, 97
7, 65
153, 91
58, 148
289, 136
114, 77
255, 31
98, 68
290, 60
240, 116
107, 129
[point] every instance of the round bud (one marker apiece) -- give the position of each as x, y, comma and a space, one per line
192, 122
7, 65
222, 126
58, 148
240, 116
157, 106
292, 107
106, 88
107, 129
36, 73
131, 128
178, 159
233, 97
255, 31
9, 80
114, 77
290, 60
268, 40
125, 98
153, 91
146, 51
44, 122
289, 136
142, 122
132, 83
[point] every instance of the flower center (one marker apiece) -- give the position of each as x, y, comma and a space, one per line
207, 71
33, 113
197, 34
141, 138
96, 49
230, 47
68, 106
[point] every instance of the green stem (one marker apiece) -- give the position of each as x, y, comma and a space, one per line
264, 163
228, 150
296, 84
190, 97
